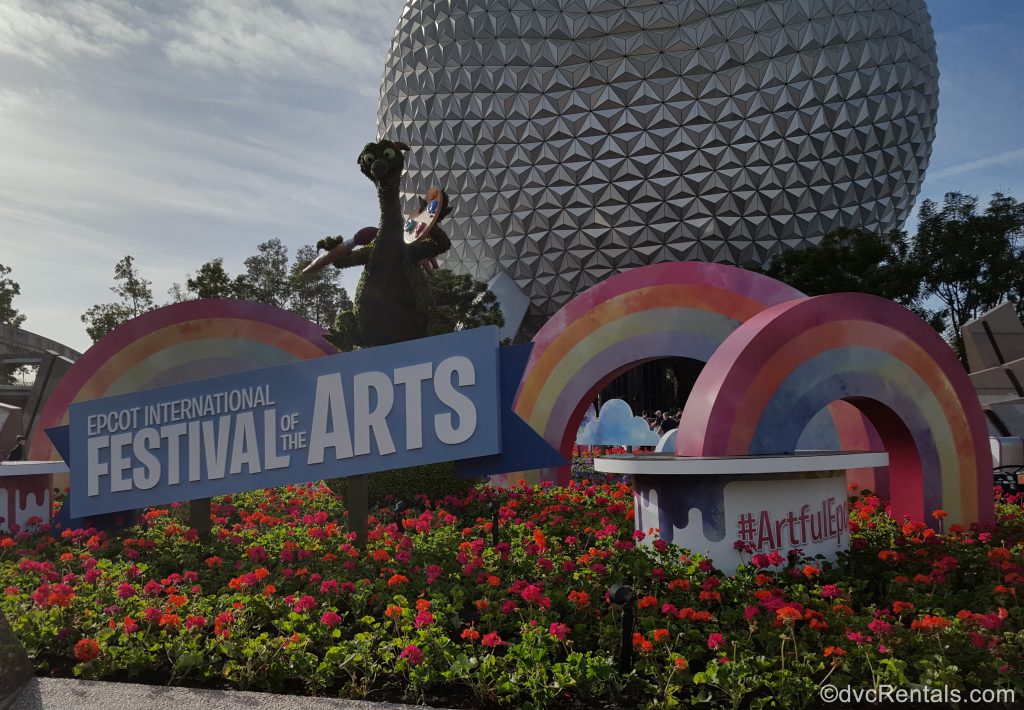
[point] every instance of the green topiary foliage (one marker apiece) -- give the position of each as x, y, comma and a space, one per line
432, 480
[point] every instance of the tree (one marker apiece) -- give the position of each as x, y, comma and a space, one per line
211, 281
853, 260
9, 288
460, 302
266, 277
970, 262
319, 296
136, 298
9, 315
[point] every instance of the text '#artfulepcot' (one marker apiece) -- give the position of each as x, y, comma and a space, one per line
429, 400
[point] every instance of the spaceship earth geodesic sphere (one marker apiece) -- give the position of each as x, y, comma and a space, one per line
579, 138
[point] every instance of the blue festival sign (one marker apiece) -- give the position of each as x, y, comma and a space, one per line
396, 406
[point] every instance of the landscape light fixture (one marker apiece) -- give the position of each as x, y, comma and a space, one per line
623, 595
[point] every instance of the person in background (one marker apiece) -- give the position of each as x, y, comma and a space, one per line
18, 452
667, 425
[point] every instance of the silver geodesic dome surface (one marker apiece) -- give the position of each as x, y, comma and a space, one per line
579, 138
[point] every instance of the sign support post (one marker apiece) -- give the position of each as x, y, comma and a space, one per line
357, 501
199, 517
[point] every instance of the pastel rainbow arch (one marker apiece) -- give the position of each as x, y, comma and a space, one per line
681, 309
783, 365
186, 341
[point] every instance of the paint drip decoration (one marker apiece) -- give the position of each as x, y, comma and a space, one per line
680, 309
186, 341
768, 379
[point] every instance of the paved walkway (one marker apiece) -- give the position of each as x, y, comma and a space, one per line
63, 694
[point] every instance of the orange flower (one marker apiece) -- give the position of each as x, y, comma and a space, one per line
788, 614
931, 623
940, 514
172, 620
641, 644
422, 605
834, 651
998, 555
393, 612
680, 664
660, 635
899, 607
579, 598
538, 538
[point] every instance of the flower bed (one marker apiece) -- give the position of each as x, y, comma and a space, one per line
280, 601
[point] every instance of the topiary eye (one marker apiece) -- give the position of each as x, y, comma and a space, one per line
367, 159
390, 154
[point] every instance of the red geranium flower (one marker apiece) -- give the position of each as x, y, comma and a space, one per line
492, 640
87, 650
413, 654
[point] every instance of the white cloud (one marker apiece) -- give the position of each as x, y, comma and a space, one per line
318, 41
1011, 156
47, 32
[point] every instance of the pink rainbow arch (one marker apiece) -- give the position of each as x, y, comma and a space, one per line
784, 364
679, 309
186, 341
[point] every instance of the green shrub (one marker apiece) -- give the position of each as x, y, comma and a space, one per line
432, 480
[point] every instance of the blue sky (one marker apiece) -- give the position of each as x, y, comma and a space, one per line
180, 132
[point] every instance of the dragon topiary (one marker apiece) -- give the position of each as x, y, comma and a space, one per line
392, 300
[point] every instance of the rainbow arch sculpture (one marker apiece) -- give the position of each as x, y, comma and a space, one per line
681, 309
186, 341
779, 368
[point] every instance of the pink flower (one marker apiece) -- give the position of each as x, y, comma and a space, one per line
195, 622
306, 603
880, 627
492, 640
749, 612
559, 630
831, 591
330, 618
424, 618
858, 638
125, 591
413, 654
715, 641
